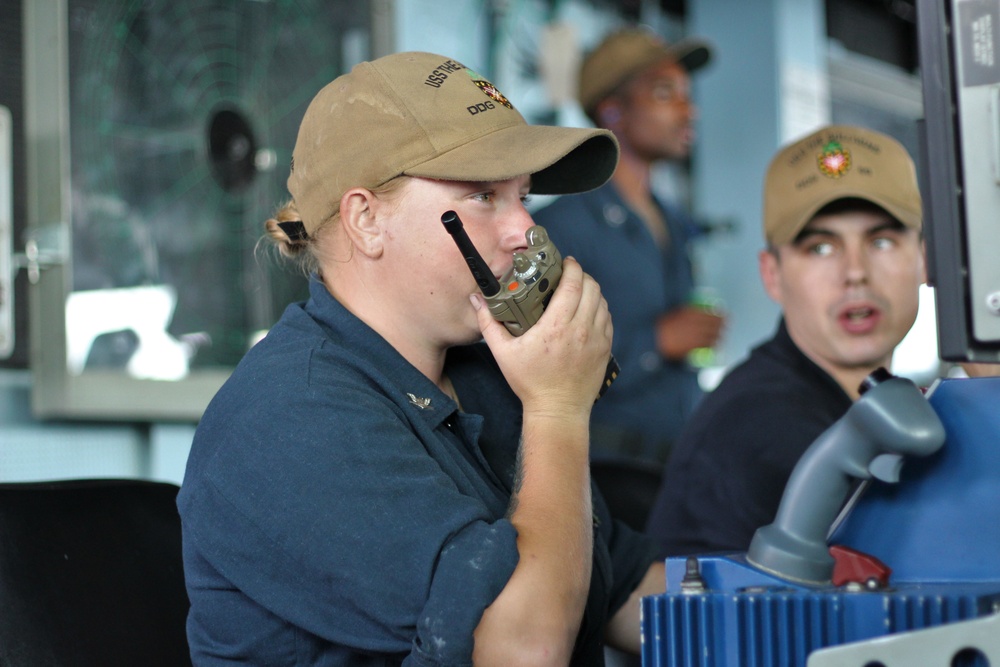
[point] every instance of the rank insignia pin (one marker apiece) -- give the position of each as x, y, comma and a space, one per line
422, 403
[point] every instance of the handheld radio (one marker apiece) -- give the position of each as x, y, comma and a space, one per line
519, 297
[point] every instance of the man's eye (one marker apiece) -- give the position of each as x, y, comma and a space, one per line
884, 243
664, 92
823, 249
483, 196
526, 199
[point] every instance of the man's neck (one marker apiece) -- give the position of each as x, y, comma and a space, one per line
851, 378
631, 179
848, 377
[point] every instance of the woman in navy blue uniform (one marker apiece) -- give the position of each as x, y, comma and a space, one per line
389, 476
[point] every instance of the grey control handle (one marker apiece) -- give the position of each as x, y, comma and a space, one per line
891, 419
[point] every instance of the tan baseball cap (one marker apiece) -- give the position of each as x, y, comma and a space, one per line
837, 162
627, 52
422, 114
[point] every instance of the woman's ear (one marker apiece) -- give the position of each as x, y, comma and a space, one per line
360, 223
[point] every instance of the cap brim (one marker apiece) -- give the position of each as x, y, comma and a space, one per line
561, 160
896, 210
692, 53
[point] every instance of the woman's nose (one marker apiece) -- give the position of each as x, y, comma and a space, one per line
515, 224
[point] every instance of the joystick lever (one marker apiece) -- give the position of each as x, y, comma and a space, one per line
890, 420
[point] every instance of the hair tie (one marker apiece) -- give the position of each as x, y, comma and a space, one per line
295, 230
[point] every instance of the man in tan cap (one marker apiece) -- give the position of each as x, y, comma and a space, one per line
390, 477
636, 245
844, 260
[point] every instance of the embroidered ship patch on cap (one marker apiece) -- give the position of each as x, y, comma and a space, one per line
490, 90
834, 160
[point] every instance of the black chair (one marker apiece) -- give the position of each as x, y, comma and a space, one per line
629, 487
91, 574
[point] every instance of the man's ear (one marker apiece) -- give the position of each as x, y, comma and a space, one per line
770, 273
360, 223
609, 112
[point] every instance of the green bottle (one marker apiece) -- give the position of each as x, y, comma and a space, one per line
706, 299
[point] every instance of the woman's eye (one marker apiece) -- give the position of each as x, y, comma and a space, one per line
483, 196
526, 199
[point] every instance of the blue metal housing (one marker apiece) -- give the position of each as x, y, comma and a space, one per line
768, 622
